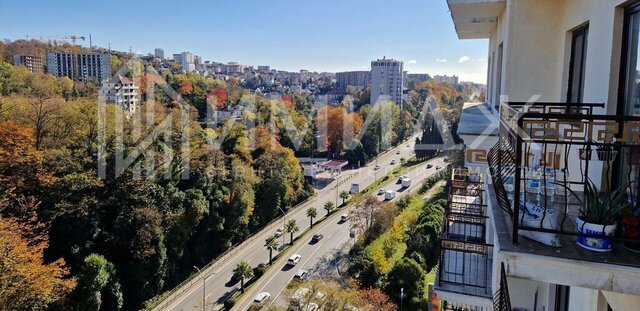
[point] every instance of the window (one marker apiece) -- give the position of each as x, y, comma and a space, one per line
577, 64
562, 298
630, 103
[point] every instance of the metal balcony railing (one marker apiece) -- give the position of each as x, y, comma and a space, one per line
547, 152
501, 299
465, 257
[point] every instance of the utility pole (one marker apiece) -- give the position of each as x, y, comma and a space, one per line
204, 284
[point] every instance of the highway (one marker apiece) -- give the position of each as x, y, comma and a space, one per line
218, 288
322, 259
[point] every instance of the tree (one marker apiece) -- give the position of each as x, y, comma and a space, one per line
291, 227
243, 271
344, 195
26, 281
329, 206
271, 243
311, 213
409, 276
372, 299
95, 276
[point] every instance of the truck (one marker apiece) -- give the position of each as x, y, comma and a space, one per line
389, 195
406, 182
355, 188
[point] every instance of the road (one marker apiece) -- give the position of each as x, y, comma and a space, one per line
322, 259
218, 288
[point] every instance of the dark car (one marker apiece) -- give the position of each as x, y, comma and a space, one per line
317, 237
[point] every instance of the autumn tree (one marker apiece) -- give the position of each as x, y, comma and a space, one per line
373, 299
26, 281
337, 124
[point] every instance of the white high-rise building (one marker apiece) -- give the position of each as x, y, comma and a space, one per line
187, 61
386, 80
122, 92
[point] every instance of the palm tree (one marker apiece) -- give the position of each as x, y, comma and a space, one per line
329, 207
243, 271
312, 213
271, 243
291, 227
344, 195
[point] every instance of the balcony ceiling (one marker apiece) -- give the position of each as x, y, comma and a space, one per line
475, 19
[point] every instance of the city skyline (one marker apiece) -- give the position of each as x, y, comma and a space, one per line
280, 39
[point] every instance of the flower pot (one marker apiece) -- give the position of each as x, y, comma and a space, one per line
606, 155
591, 243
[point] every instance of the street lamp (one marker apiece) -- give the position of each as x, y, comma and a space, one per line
204, 284
401, 296
284, 224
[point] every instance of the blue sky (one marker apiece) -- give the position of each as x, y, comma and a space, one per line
328, 35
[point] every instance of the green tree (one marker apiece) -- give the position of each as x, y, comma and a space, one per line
311, 213
291, 227
243, 271
409, 276
95, 276
271, 243
329, 206
344, 195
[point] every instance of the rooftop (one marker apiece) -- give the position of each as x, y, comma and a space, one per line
478, 119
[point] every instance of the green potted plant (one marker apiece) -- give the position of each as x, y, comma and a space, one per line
598, 217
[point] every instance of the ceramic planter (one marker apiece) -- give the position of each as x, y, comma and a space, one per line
593, 243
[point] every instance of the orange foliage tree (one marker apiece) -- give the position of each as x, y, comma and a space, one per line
338, 124
26, 282
218, 96
374, 299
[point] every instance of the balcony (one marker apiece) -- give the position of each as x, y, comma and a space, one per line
545, 156
464, 269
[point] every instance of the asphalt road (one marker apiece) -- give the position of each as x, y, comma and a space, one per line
218, 288
322, 259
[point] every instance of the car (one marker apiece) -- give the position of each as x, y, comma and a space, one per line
400, 179
279, 232
344, 217
294, 260
377, 167
312, 307
381, 191
429, 165
317, 237
398, 152
438, 167
393, 161
261, 298
301, 275
352, 233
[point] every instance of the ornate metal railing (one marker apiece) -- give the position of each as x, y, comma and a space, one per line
547, 152
501, 299
464, 253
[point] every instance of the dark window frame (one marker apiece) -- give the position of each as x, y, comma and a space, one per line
582, 31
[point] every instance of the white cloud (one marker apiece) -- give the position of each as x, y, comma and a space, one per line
464, 59
441, 60
412, 61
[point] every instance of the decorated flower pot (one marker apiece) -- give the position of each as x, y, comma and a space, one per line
594, 243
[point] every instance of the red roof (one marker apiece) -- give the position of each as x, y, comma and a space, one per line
335, 164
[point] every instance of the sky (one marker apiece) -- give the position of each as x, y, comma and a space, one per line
328, 35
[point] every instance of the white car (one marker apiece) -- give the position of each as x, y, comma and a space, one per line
377, 167
279, 232
398, 152
261, 298
393, 161
381, 191
301, 275
294, 259
344, 217
400, 179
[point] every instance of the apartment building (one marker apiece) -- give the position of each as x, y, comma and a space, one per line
417, 77
387, 80
446, 79
121, 91
84, 68
358, 79
158, 53
264, 69
563, 90
32, 63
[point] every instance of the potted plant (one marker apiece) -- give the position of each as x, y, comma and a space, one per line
606, 153
598, 214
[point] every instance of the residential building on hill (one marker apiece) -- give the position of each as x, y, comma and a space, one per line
358, 79
86, 66
562, 79
32, 63
121, 91
386, 80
